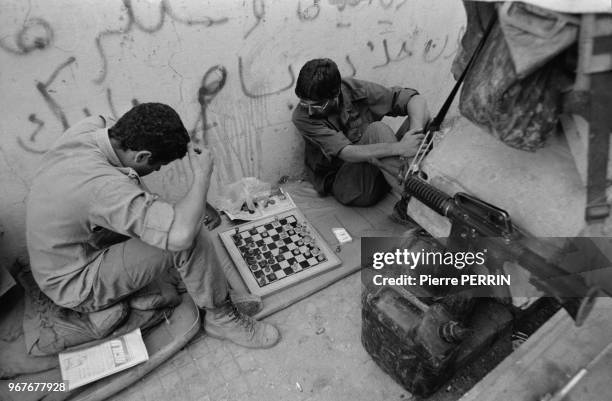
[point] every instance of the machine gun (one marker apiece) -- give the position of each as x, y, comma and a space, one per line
476, 224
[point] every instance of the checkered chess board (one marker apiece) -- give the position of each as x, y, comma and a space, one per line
278, 251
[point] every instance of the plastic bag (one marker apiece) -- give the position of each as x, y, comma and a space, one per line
234, 197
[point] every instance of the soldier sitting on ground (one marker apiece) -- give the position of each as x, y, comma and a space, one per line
345, 141
96, 235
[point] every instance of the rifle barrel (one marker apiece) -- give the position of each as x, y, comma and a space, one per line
428, 194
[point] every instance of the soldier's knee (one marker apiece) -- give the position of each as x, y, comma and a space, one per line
378, 132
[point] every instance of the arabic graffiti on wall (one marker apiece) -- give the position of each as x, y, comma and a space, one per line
37, 35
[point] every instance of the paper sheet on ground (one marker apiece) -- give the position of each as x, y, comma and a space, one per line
90, 364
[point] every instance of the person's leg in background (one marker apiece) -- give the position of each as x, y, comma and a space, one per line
359, 184
379, 132
364, 184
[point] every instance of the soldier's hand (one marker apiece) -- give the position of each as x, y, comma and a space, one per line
200, 162
410, 143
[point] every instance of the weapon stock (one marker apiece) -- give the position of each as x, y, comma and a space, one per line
475, 222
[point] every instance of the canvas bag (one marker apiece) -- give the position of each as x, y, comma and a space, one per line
522, 113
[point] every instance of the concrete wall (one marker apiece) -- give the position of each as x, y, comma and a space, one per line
61, 60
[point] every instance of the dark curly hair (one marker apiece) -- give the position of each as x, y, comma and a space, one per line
154, 127
319, 79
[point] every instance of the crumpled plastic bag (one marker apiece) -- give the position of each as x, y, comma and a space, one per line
246, 191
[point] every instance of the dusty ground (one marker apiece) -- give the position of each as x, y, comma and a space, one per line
320, 358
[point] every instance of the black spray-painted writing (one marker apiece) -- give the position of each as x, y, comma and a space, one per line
164, 9
350, 63
40, 124
259, 11
309, 13
43, 89
430, 55
212, 83
35, 34
252, 95
401, 54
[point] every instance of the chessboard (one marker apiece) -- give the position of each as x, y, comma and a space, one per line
278, 251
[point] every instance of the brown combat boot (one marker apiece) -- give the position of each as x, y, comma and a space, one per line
246, 303
228, 323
